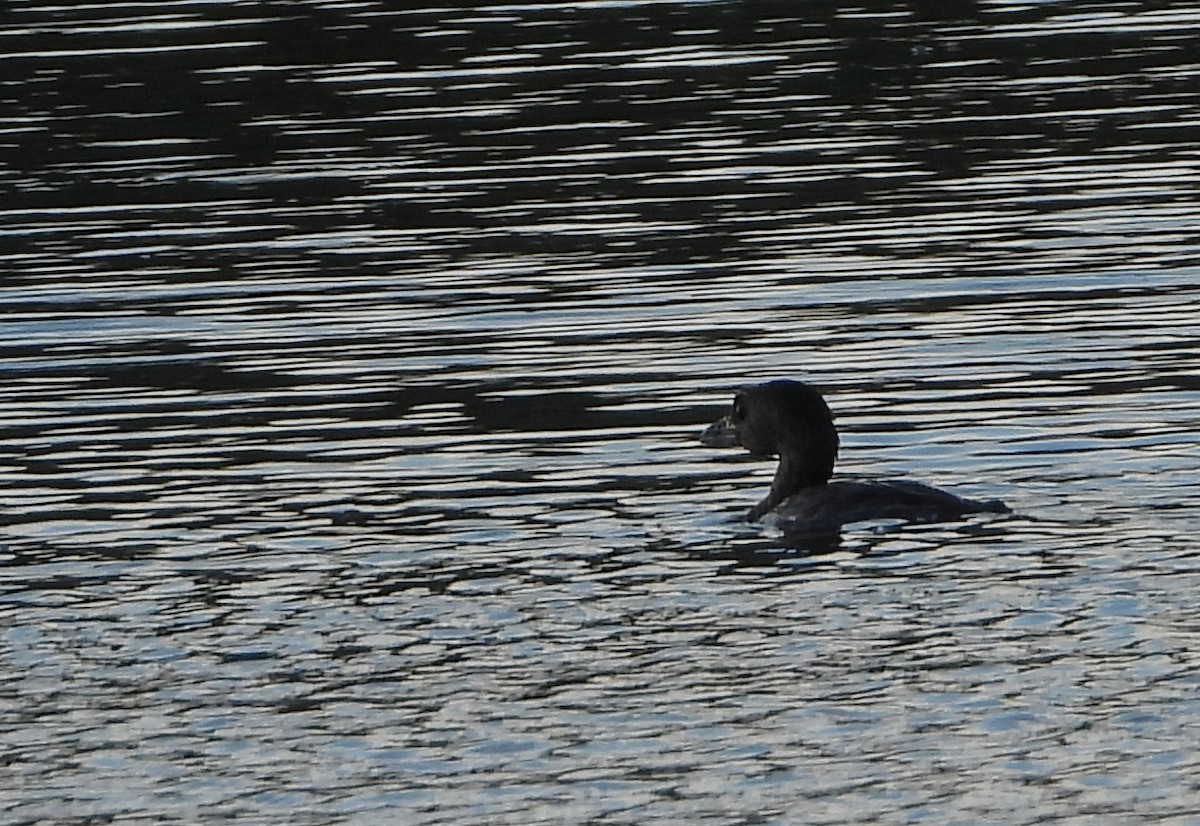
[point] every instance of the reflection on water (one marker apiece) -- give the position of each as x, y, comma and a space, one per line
354, 358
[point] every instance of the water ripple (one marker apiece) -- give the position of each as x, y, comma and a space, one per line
352, 390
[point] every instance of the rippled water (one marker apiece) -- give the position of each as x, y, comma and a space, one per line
354, 357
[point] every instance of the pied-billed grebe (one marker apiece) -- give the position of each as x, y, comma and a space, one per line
790, 420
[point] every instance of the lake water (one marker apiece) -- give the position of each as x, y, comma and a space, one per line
354, 358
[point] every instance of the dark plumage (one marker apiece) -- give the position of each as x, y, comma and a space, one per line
790, 419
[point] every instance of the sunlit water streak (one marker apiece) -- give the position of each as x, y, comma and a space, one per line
354, 358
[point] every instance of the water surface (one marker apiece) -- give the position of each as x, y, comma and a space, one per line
354, 357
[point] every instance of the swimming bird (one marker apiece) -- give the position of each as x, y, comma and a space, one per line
791, 420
